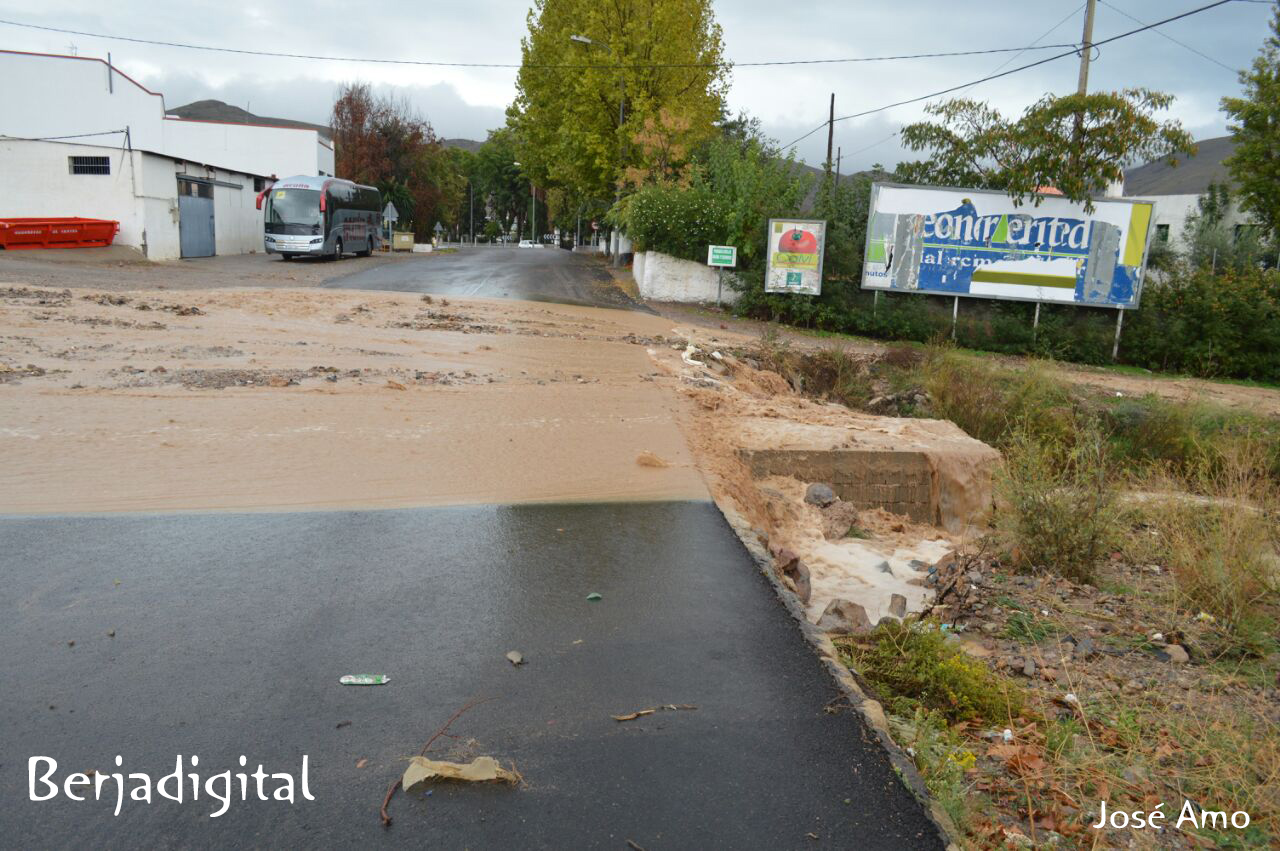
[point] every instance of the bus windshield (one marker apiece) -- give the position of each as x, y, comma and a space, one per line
293, 211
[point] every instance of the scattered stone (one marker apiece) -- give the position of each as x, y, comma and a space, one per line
788, 564
1028, 668
990, 627
884, 567
898, 606
1085, 648
843, 616
820, 495
918, 565
1177, 654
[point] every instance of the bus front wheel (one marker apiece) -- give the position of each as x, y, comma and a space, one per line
337, 250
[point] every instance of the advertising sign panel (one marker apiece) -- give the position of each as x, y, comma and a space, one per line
975, 242
795, 256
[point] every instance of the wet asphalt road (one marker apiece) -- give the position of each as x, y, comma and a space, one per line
231, 632
533, 274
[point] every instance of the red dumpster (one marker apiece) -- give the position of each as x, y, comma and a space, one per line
57, 233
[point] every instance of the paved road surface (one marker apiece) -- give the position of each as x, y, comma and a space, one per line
231, 632
533, 274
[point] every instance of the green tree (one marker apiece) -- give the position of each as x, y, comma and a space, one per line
1255, 164
646, 56
506, 189
973, 145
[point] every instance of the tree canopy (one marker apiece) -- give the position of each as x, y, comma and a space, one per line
660, 59
972, 144
1255, 164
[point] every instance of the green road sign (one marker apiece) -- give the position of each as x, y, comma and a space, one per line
722, 255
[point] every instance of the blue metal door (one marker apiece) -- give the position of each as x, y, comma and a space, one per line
195, 225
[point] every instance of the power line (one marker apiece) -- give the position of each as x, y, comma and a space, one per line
59, 138
1043, 35
1171, 38
430, 63
990, 77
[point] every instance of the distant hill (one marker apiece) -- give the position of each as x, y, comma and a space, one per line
465, 144
216, 110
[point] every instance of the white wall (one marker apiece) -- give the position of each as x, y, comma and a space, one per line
1174, 210
37, 181
141, 193
74, 97
662, 277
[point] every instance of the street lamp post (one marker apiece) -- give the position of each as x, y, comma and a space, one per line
622, 101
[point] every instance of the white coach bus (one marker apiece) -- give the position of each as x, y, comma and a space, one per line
321, 217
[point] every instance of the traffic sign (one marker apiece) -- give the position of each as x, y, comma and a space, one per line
389, 212
725, 256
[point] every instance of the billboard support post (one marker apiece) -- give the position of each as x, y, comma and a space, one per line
1115, 348
1035, 323
875, 302
955, 314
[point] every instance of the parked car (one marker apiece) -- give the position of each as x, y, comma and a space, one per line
527, 243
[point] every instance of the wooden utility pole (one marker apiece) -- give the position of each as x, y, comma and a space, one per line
1082, 89
1086, 47
831, 130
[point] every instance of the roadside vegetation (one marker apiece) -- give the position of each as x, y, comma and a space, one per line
1114, 634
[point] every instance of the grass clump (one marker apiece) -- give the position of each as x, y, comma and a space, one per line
912, 666
1057, 505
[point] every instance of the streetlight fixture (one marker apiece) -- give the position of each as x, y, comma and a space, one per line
622, 102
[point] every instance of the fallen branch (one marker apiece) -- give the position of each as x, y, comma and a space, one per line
443, 731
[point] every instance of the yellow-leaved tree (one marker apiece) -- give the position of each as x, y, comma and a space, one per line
595, 76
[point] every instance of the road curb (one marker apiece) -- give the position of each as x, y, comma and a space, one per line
868, 707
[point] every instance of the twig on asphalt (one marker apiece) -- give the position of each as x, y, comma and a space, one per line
443, 731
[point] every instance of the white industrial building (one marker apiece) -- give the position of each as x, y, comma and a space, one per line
83, 139
1175, 190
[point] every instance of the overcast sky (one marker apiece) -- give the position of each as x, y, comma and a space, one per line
789, 100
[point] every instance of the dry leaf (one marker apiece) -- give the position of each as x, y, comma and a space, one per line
479, 770
362, 762
395, 385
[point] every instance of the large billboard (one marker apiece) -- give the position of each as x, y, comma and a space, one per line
795, 256
975, 242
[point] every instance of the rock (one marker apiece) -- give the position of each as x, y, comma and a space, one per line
918, 565
1177, 654
787, 563
844, 617
974, 577
819, 494
898, 606
990, 627
1085, 648
1028, 668
884, 567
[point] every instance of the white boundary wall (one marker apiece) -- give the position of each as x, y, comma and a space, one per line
661, 277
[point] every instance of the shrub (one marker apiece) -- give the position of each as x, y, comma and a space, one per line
1056, 506
675, 221
1222, 550
912, 666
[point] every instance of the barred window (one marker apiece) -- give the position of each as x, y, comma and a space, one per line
1162, 233
90, 165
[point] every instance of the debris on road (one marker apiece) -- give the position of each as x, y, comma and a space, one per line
482, 769
515, 658
666, 707
342, 724
594, 597
364, 679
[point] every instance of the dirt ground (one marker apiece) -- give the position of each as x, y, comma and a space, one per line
309, 399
